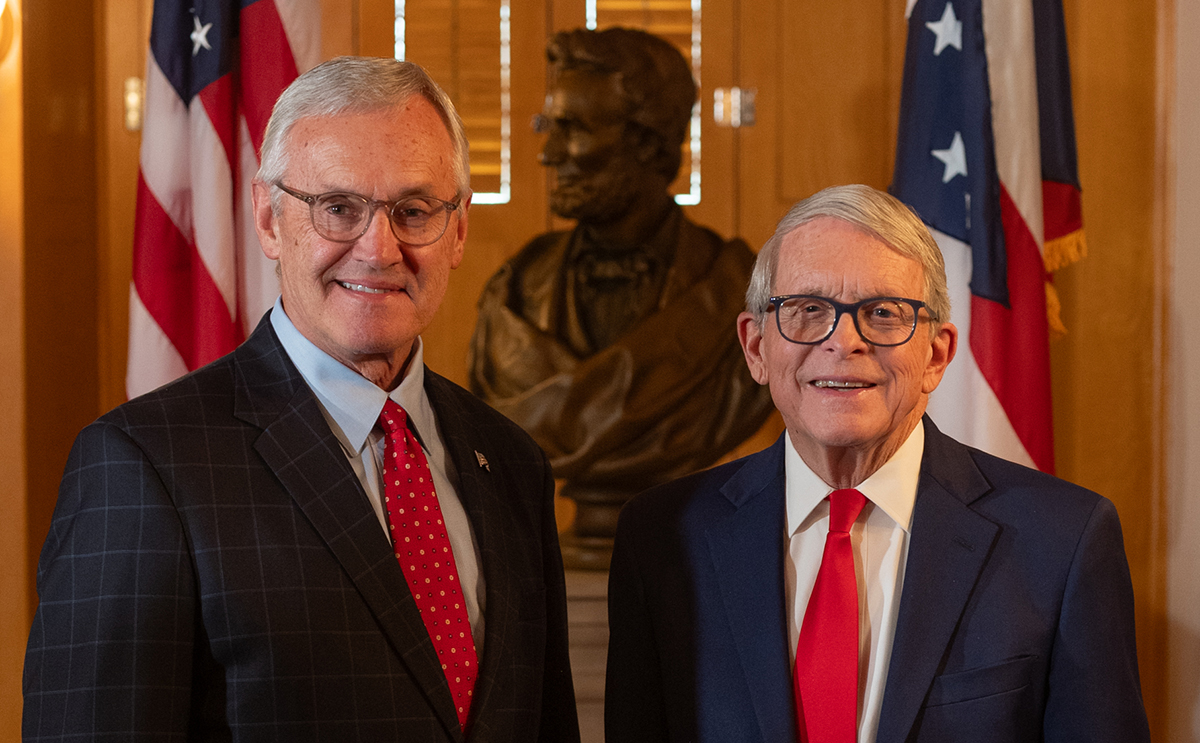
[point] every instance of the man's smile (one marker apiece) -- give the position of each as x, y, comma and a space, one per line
839, 384
350, 286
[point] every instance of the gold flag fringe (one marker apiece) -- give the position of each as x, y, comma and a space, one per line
1054, 313
1060, 253
1063, 251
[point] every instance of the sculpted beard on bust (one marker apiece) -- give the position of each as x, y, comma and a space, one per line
595, 199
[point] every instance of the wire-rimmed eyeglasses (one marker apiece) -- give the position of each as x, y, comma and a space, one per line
880, 321
343, 217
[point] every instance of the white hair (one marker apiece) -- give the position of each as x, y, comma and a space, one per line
876, 213
355, 85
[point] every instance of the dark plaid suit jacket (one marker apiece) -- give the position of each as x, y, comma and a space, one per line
214, 571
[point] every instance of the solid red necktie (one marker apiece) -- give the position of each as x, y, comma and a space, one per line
423, 550
826, 672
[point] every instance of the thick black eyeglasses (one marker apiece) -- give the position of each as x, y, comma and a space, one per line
344, 217
880, 321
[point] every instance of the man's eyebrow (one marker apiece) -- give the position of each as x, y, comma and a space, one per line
423, 189
857, 297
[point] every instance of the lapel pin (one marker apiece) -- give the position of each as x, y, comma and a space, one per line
482, 461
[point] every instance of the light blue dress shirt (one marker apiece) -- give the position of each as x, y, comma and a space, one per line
351, 405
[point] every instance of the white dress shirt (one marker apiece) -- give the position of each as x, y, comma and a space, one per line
351, 405
879, 539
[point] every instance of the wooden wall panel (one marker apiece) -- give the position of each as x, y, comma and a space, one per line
1105, 373
832, 75
116, 173
339, 28
15, 556
1179, 46
58, 274
828, 80
374, 31
61, 245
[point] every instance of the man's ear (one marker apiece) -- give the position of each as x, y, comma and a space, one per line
265, 223
943, 347
460, 231
751, 338
646, 144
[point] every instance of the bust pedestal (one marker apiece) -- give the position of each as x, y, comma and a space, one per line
587, 619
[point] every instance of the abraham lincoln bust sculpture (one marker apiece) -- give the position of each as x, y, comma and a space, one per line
614, 343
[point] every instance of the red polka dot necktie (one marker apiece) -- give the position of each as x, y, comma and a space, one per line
826, 671
423, 550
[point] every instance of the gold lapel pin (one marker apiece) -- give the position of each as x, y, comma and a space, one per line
482, 461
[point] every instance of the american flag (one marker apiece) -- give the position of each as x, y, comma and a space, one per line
200, 281
986, 156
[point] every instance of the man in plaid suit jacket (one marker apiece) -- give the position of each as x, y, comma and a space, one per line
219, 566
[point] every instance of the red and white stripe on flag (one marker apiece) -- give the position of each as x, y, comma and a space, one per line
200, 280
1016, 150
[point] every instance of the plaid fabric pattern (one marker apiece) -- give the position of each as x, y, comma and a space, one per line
214, 572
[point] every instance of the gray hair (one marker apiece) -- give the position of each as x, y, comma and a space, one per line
654, 78
355, 85
876, 213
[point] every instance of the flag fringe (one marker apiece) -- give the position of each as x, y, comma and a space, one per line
1054, 313
1060, 253
1063, 251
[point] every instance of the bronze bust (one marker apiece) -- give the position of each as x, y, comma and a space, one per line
614, 343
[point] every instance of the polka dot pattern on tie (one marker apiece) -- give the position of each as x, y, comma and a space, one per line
423, 551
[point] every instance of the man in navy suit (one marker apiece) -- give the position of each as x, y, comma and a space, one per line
993, 602
225, 561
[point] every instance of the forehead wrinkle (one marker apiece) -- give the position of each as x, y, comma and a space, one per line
347, 175
320, 150
842, 288
886, 275
422, 189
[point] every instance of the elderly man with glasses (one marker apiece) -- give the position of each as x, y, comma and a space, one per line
866, 578
315, 537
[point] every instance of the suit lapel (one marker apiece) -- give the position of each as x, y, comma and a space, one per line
748, 563
948, 548
299, 448
481, 499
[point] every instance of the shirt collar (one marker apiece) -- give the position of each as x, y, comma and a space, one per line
892, 488
351, 403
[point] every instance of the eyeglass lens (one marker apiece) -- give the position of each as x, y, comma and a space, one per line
881, 321
415, 220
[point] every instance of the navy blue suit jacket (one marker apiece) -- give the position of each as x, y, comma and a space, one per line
1015, 622
214, 571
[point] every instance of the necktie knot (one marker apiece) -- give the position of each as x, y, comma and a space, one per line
844, 508
393, 418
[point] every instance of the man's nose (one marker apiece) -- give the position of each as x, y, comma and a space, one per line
379, 245
845, 334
